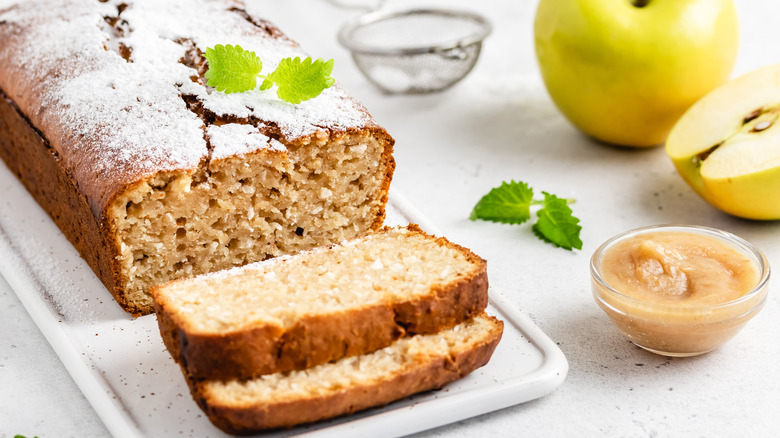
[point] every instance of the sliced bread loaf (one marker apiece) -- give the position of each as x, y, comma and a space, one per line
107, 119
409, 365
295, 312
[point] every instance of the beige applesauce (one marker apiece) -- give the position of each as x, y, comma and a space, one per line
678, 292
678, 268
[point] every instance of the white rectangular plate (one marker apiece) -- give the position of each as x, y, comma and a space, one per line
121, 365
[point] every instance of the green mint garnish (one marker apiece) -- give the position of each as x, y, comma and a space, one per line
235, 70
510, 203
556, 224
300, 80
232, 69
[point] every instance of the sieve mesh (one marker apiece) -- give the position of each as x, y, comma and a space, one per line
415, 51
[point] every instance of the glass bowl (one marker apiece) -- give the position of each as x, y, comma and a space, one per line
680, 328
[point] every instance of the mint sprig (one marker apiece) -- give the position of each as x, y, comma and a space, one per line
232, 69
235, 70
510, 203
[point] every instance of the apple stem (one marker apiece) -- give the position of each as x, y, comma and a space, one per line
640, 3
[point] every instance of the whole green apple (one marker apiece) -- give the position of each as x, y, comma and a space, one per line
624, 71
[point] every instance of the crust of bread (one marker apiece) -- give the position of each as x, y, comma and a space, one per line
38, 166
321, 338
434, 373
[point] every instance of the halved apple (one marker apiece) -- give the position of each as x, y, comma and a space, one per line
727, 145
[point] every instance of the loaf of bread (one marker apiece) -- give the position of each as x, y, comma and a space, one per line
152, 175
409, 365
294, 312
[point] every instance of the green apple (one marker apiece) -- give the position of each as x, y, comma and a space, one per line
624, 71
727, 145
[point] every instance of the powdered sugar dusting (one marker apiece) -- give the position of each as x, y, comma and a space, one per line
238, 139
108, 81
332, 109
148, 129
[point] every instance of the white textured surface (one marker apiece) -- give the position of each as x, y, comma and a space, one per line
451, 149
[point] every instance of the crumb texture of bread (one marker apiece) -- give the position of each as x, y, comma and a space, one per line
410, 365
180, 179
248, 208
319, 305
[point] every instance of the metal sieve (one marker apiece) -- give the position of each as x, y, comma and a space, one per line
415, 51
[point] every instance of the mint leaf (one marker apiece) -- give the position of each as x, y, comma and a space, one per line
267, 84
300, 80
556, 224
232, 69
509, 203
235, 70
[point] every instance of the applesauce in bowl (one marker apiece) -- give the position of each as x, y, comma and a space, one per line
679, 290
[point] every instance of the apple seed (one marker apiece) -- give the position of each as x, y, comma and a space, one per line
761, 126
752, 116
700, 157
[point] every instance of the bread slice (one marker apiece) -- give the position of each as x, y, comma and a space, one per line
408, 366
321, 305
